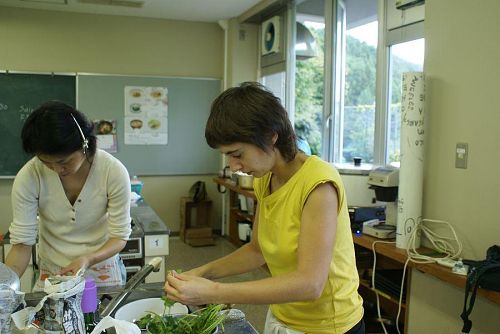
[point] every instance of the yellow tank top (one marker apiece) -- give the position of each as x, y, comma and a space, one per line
340, 306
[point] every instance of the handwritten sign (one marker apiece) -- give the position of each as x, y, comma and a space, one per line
412, 155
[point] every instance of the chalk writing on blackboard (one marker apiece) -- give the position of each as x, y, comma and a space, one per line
24, 112
20, 94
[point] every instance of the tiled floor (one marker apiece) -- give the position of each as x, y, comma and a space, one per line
182, 256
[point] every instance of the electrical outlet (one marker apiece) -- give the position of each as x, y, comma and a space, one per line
461, 155
242, 34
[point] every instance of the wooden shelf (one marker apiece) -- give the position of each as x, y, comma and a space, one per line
231, 185
434, 269
366, 285
244, 215
235, 213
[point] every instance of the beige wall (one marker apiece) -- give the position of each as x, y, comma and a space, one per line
32, 40
462, 66
242, 55
57, 41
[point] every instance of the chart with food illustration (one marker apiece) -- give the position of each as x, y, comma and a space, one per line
146, 115
106, 134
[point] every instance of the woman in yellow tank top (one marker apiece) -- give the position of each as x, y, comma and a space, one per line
301, 228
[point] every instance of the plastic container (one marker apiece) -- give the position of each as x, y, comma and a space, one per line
136, 185
245, 181
89, 297
89, 304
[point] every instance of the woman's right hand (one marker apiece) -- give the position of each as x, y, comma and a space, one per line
189, 290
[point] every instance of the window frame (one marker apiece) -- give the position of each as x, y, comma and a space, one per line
332, 120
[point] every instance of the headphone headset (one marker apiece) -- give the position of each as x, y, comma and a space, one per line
85, 144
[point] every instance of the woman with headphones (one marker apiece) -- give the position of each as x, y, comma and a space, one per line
74, 195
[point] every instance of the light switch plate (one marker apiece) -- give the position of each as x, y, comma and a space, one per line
461, 155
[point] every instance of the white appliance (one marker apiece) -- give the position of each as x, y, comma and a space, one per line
384, 180
379, 229
387, 176
270, 37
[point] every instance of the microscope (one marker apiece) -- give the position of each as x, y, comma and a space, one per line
384, 181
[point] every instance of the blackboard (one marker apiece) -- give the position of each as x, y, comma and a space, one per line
189, 100
20, 94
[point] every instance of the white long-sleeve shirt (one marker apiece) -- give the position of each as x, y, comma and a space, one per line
101, 211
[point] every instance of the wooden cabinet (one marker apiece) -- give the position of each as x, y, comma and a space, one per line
236, 213
388, 280
390, 257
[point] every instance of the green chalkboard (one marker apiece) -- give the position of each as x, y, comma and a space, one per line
20, 94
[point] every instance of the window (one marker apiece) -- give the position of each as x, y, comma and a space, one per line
403, 57
309, 80
348, 92
358, 122
276, 84
350, 122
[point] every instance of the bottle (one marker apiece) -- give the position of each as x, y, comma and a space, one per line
136, 185
89, 304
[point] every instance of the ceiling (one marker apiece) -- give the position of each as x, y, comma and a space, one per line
185, 10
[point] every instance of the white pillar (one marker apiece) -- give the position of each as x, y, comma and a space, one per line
412, 158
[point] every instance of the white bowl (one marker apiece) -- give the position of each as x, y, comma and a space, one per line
137, 309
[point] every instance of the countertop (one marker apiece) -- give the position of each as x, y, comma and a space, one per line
149, 221
149, 290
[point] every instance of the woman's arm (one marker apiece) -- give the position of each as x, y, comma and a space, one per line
118, 191
24, 226
110, 248
18, 258
316, 241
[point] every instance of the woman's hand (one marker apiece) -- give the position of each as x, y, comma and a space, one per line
189, 290
77, 264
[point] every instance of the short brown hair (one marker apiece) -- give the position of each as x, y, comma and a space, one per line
250, 114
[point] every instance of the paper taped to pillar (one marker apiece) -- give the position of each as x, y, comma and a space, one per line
412, 159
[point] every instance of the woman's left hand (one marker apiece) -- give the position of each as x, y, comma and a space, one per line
77, 264
189, 290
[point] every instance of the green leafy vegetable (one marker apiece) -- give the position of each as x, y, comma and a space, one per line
168, 302
203, 321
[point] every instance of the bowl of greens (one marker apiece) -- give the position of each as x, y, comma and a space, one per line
137, 309
207, 320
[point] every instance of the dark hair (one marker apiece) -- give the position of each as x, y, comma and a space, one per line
250, 114
51, 129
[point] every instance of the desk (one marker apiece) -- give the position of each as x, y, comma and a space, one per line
436, 270
389, 256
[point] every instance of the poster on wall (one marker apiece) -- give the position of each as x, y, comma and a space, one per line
106, 135
146, 115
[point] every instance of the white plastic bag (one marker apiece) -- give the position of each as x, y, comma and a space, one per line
121, 326
9, 302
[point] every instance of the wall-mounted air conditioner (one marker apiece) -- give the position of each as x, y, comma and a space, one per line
271, 35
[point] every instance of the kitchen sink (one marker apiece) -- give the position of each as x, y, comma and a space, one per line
147, 290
